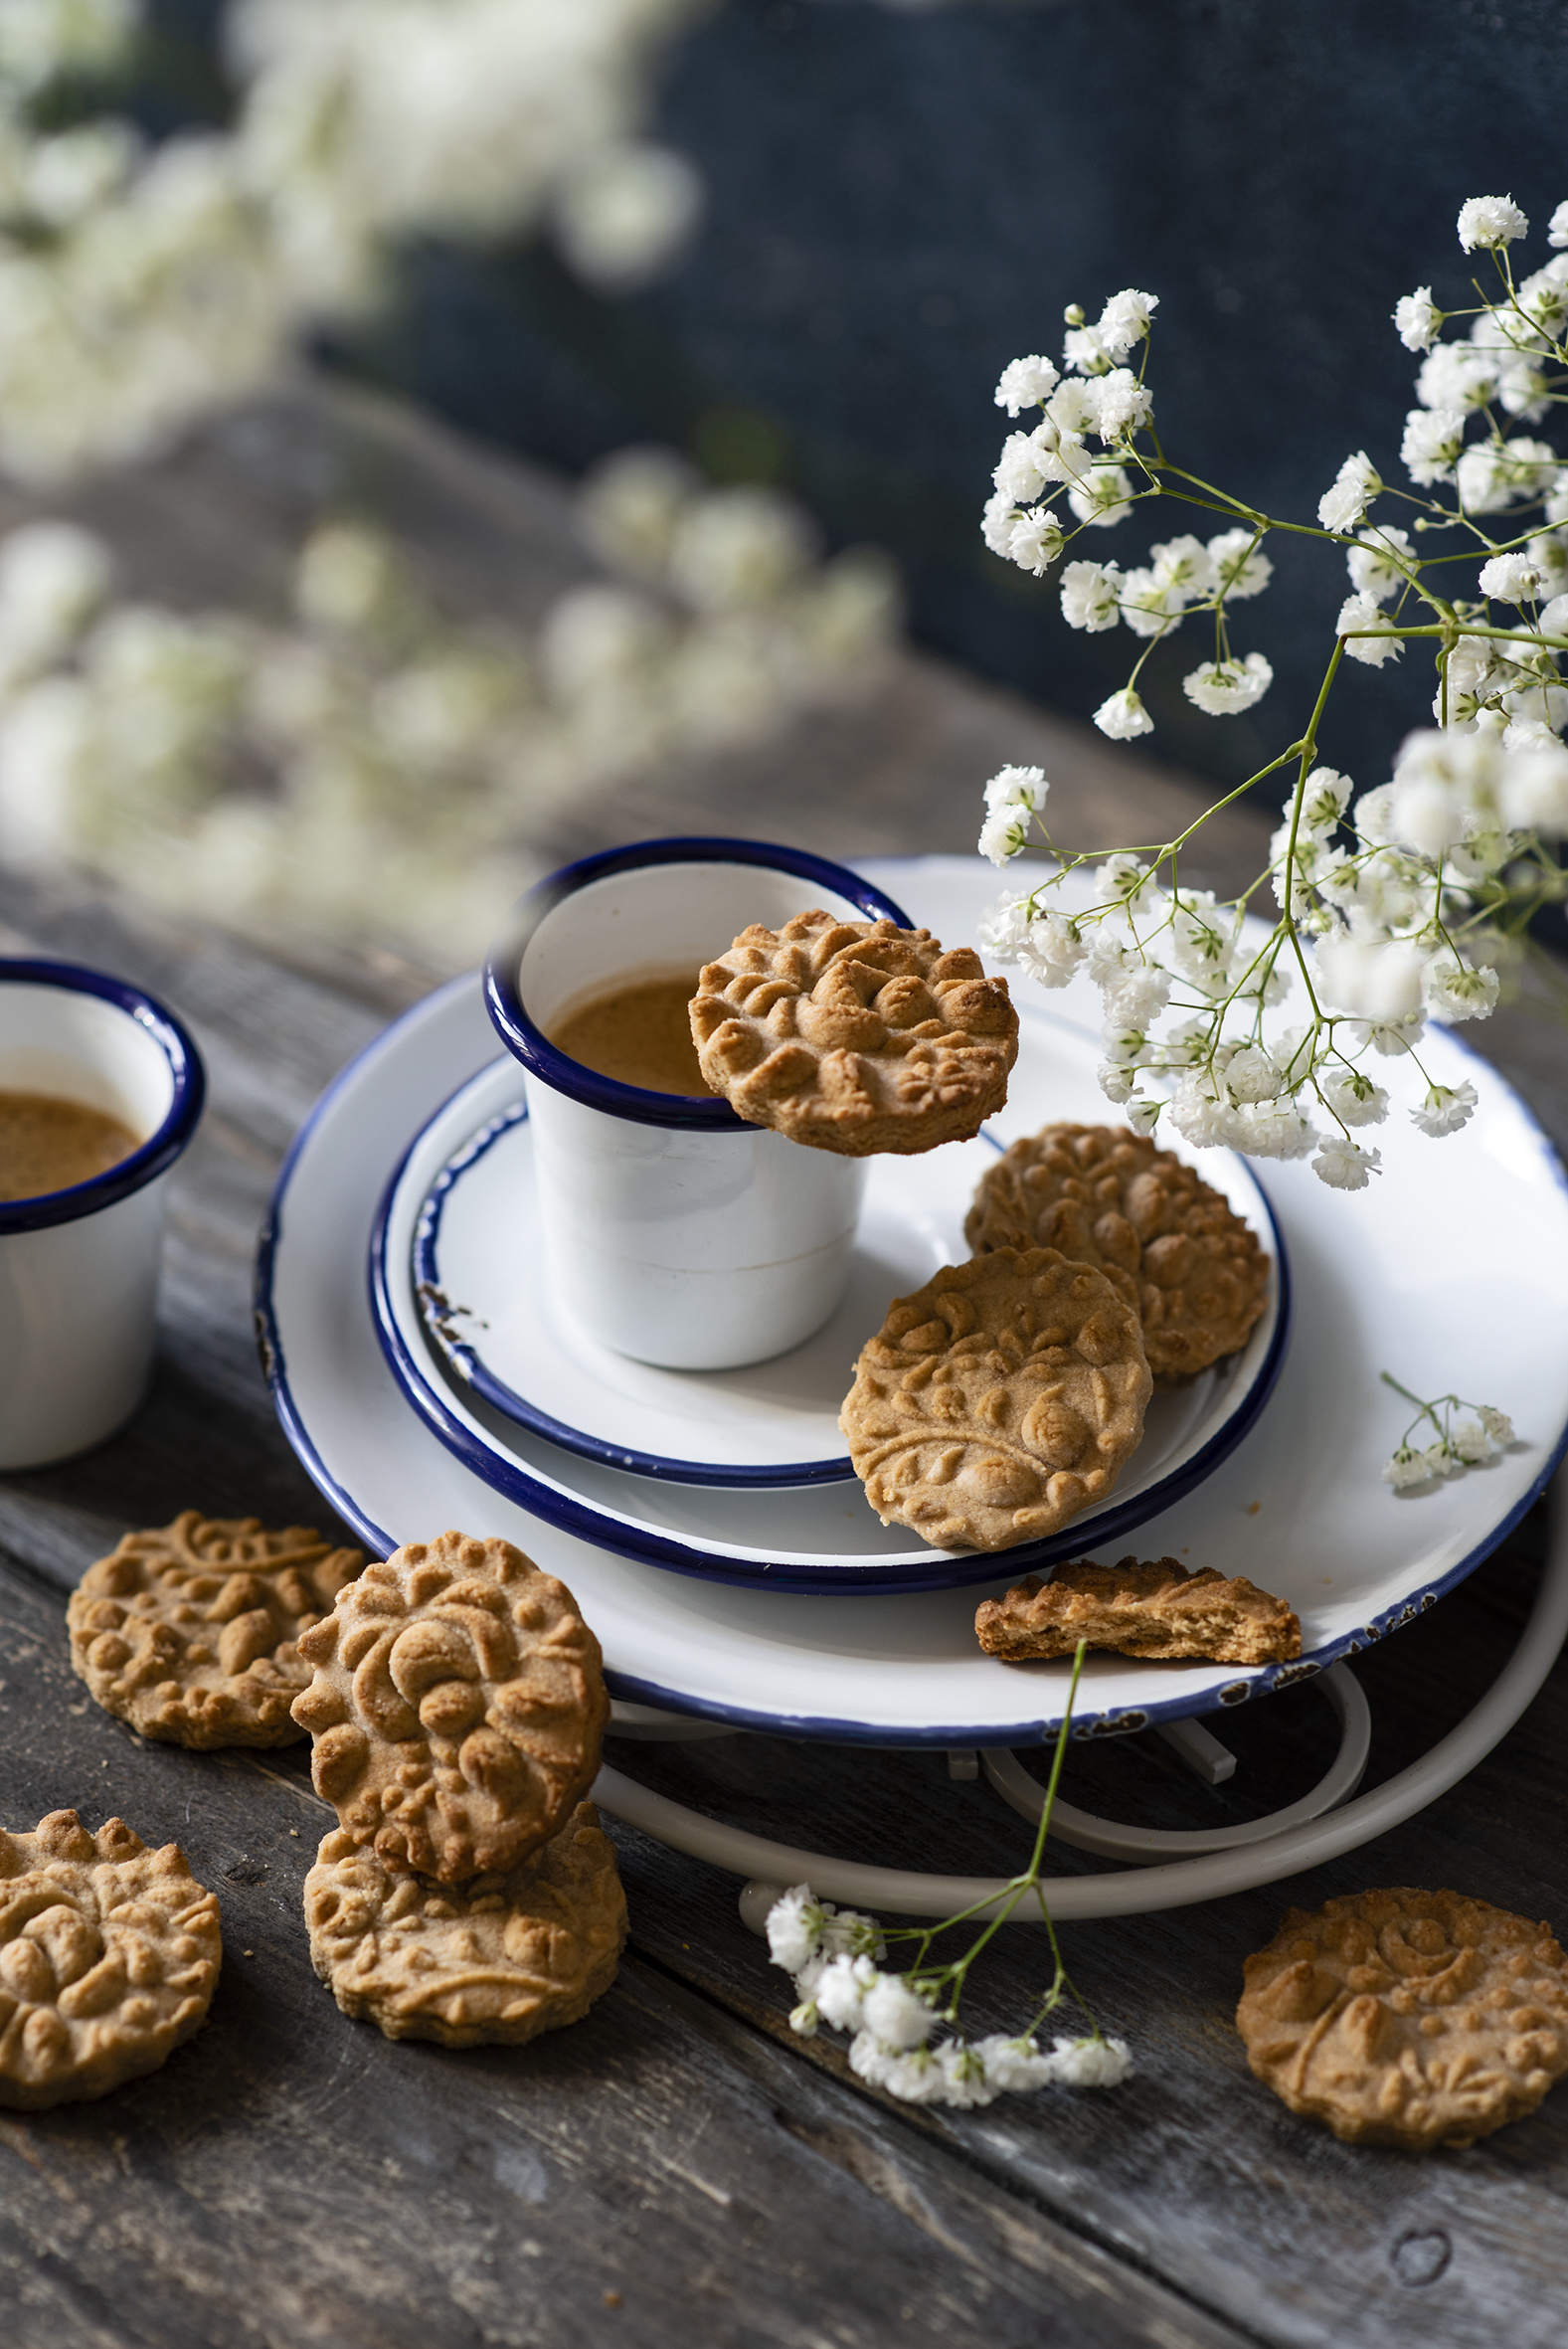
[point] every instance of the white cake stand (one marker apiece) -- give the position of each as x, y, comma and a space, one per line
1170, 1871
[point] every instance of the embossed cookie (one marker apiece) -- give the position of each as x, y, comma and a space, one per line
855, 1037
189, 1631
108, 1959
1408, 2017
1159, 1233
997, 1401
457, 1706
1139, 1608
502, 1957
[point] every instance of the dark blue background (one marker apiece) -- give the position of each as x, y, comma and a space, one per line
900, 203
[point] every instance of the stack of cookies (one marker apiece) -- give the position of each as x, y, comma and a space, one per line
457, 1708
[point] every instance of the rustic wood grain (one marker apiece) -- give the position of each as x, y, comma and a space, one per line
293, 2179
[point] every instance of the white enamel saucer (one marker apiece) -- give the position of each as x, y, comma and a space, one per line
1452, 1271
821, 1536
486, 1310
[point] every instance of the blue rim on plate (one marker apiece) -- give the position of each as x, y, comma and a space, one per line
947, 1570
158, 1152
1026, 1730
542, 1059
465, 1362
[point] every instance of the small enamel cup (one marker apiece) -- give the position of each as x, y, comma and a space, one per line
78, 1268
672, 1230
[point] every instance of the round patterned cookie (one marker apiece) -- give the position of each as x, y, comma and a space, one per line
189, 1631
855, 1037
997, 1401
1161, 1235
457, 1706
108, 1959
1408, 2017
502, 1957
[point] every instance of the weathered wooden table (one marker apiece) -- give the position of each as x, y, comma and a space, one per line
676, 2169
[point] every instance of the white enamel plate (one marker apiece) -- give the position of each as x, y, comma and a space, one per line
1452, 1271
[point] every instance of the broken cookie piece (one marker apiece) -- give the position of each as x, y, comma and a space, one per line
1149, 1608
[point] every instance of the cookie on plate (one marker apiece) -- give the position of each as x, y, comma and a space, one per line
108, 1959
997, 1401
1151, 1608
855, 1037
457, 1706
189, 1631
1158, 1232
1408, 2017
502, 1957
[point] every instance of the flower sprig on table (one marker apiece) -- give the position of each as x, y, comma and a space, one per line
1454, 1449
1407, 899
830, 1954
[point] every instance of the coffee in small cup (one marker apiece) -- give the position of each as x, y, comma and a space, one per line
636, 1032
49, 1143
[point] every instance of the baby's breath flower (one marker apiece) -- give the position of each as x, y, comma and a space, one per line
1052, 951
1142, 1113
795, 1927
1025, 383
1406, 1468
1090, 596
1375, 565
1512, 579
1091, 2063
1433, 439
1124, 320
1355, 486
1489, 221
1225, 687
1345, 1166
1103, 496
1498, 1423
1470, 1442
1115, 1081
1035, 541
1122, 404
897, 2014
1445, 1109
1456, 990
1018, 787
1417, 319
997, 519
1005, 833
1122, 716
1350, 1095
1241, 568
1361, 612
1184, 563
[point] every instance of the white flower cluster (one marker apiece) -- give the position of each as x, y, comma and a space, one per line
140, 287
1404, 903
1456, 1448
831, 1954
371, 770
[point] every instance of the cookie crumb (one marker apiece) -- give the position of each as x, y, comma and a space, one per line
1152, 1608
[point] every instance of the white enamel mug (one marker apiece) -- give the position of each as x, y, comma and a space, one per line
78, 1268
672, 1230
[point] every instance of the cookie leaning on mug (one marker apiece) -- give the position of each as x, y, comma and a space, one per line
855, 1037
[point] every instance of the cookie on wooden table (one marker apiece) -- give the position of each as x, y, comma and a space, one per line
1408, 2017
189, 1631
855, 1037
457, 1706
1157, 1232
997, 1401
1152, 1608
108, 1959
502, 1957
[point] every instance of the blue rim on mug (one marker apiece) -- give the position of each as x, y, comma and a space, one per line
158, 1152
532, 1046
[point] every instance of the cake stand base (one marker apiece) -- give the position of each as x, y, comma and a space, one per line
1170, 1871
